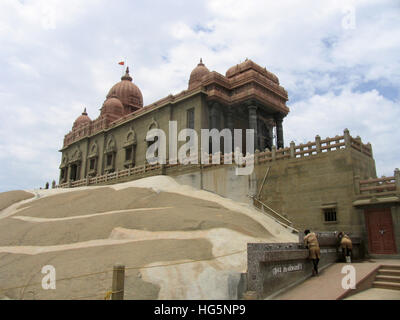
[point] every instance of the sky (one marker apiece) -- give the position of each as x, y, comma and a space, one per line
338, 60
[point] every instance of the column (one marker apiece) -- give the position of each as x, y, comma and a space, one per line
270, 134
229, 120
260, 139
229, 125
253, 124
279, 132
62, 177
214, 115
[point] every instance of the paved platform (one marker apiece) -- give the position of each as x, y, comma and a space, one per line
328, 284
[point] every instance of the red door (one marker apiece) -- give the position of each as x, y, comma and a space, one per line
380, 231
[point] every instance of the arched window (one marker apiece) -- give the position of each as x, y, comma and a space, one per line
109, 154
93, 159
130, 149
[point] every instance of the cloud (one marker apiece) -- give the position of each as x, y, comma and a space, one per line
60, 56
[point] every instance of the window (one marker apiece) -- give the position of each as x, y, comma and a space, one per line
190, 118
92, 164
128, 154
109, 159
330, 215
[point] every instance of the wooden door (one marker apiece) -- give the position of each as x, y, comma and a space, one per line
380, 231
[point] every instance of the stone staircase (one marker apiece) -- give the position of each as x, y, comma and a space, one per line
388, 277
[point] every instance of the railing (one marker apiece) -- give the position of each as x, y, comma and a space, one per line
379, 186
316, 147
275, 215
111, 176
319, 146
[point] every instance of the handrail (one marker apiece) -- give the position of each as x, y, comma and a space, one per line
276, 213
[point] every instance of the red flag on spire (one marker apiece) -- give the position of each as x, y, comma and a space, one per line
121, 63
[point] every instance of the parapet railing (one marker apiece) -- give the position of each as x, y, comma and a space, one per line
315, 147
112, 176
379, 186
319, 146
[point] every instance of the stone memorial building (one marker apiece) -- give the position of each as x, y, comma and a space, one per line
247, 97
327, 184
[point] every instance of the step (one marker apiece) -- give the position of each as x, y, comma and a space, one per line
386, 285
384, 278
391, 266
389, 272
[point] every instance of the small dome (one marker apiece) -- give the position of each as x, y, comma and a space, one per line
247, 65
127, 92
196, 75
113, 106
81, 120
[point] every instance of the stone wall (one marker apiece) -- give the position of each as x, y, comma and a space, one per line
300, 189
221, 180
273, 267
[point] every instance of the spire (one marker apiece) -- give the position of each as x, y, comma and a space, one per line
126, 76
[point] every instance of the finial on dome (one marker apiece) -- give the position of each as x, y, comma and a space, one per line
84, 113
126, 76
201, 62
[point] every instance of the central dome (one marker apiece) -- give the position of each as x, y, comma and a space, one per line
127, 92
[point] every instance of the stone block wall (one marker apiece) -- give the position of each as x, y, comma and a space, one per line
272, 267
299, 189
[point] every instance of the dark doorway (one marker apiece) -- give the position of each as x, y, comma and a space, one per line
74, 172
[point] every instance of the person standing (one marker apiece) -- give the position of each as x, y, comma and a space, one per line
311, 242
346, 245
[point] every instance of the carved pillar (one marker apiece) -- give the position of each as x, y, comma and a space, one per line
260, 139
68, 178
214, 115
229, 120
279, 132
229, 124
253, 124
